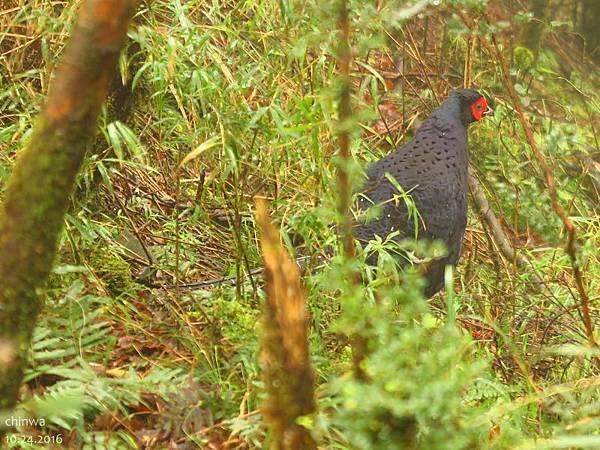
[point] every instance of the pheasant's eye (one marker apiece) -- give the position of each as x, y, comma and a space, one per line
479, 106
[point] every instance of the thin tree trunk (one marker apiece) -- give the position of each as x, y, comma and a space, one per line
588, 26
534, 29
38, 192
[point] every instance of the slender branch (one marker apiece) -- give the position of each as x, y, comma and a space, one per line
345, 113
344, 55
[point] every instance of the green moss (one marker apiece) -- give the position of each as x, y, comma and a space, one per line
523, 58
238, 321
113, 270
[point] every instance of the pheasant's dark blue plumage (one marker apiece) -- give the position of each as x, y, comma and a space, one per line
433, 169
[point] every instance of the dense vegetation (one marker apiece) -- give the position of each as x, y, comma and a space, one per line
218, 102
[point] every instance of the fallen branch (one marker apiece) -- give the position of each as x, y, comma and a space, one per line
500, 238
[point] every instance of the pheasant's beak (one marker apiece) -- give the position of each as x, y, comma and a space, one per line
488, 112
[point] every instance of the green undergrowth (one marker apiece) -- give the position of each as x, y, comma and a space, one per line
238, 99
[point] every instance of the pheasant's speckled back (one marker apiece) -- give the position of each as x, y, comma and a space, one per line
433, 169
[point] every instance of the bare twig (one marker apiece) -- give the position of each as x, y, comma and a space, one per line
135, 230
422, 65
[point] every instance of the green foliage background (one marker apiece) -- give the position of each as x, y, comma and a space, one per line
245, 94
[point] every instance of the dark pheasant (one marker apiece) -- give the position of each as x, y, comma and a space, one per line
433, 169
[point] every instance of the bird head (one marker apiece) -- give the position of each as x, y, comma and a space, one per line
473, 105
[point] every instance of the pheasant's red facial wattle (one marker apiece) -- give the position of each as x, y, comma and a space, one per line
480, 108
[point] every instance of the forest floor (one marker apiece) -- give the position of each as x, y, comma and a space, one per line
225, 101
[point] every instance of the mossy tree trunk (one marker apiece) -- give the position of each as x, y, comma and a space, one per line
120, 104
588, 26
37, 194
